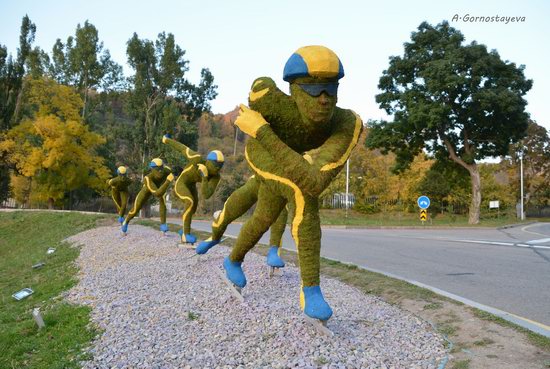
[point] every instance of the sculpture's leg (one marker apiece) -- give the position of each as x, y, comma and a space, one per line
267, 210
236, 205
277, 230
162, 213
123, 203
141, 199
190, 202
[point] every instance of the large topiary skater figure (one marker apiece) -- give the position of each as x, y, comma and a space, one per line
282, 129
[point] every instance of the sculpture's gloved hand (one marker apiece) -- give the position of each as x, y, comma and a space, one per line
203, 170
249, 121
166, 136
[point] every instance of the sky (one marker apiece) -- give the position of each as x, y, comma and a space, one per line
242, 40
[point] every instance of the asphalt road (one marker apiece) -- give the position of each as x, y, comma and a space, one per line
506, 269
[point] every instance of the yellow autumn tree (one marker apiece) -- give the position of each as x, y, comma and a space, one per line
51, 149
371, 178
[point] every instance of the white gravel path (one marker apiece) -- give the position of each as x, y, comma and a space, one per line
158, 309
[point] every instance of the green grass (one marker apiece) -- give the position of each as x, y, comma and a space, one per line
447, 329
433, 306
405, 219
462, 364
337, 217
24, 239
192, 316
535, 338
484, 342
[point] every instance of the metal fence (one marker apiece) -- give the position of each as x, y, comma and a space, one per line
537, 211
339, 201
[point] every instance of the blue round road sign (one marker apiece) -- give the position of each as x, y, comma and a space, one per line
423, 202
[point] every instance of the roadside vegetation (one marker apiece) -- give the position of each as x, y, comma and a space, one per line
24, 239
26, 236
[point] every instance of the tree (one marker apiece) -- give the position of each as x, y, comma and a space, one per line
53, 149
447, 185
454, 100
159, 80
83, 63
535, 148
12, 74
28, 30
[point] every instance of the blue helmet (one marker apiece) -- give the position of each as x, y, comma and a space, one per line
156, 162
216, 156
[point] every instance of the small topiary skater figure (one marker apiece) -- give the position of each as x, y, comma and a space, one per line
119, 191
155, 183
207, 172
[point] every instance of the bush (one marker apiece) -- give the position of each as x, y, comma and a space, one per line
366, 208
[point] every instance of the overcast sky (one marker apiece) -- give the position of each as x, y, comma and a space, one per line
242, 40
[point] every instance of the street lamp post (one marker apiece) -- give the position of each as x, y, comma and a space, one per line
235, 145
521, 184
347, 187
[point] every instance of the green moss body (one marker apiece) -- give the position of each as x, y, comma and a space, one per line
240, 201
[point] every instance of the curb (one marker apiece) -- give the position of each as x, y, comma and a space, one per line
516, 225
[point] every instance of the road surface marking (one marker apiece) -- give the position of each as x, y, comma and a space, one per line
542, 240
524, 229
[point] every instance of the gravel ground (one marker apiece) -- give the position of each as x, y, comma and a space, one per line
159, 309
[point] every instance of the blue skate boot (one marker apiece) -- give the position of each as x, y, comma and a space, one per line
273, 258
234, 272
120, 220
313, 303
206, 245
187, 238
124, 227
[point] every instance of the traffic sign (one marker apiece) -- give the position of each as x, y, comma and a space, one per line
423, 215
423, 202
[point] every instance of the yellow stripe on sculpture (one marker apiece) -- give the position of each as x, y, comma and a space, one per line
342, 160
188, 208
177, 180
298, 197
118, 206
189, 156
302, 297
257, 83
134, 208
253, 96
149, 186
219, 221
